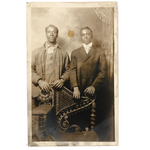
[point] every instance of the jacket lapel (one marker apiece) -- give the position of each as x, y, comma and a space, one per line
83, 53
91, 52
43, 57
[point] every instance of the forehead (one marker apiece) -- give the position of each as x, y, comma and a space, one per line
86, 31
51, 28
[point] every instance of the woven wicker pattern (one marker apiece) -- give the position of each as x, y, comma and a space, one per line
64, 99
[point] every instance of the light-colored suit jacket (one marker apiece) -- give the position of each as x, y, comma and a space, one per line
61, 66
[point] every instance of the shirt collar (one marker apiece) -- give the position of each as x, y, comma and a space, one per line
48, 45
87, 45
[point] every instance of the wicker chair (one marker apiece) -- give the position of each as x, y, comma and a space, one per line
66, 107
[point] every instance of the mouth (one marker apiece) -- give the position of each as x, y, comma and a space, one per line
86, 40
51, 38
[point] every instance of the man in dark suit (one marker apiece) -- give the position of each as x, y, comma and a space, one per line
88, 71
88, 67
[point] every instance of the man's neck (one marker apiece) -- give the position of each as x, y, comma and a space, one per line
51, 44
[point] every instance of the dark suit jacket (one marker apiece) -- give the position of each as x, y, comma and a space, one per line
87, 69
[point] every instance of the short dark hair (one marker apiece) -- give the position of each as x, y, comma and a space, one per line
86, 28
51, 26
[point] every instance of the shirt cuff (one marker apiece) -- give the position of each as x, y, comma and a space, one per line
39, 79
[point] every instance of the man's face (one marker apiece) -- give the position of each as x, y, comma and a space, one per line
86, 36
51, 34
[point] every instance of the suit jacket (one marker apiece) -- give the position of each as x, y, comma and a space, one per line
87, 69
61, 69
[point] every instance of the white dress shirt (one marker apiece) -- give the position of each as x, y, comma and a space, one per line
87, 47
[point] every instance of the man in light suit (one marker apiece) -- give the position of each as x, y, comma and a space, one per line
50, 64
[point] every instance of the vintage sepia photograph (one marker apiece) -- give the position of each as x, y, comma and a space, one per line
72, 60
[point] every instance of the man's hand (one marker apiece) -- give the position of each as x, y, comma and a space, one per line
76, 93
58, 84
44, 86
90, 90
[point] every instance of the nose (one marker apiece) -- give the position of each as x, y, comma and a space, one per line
51, 33
85, 36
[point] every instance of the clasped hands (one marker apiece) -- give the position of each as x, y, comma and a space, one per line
89, 90
46, 87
